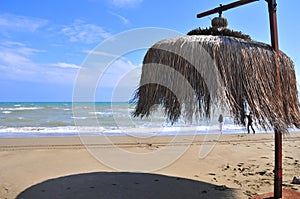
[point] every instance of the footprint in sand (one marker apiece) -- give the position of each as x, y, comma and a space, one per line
287, 157
240, 164
263, 157
296, 180
5, 190
254, 187
151, 146
241, 169
237, 182
214, 180
249, 193
261, 173
265, 181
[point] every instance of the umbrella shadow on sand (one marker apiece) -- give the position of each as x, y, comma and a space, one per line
114, 185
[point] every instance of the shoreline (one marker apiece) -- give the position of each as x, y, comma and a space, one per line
176, 131
242, 163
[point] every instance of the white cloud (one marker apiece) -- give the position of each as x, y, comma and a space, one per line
80, 31
20, 48
15, 54
17, 63
126, 3
10, 22
108, 76
93, 52
122, 77
66, 65
124, 20
117, 71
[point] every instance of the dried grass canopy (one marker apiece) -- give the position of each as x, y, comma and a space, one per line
189, 75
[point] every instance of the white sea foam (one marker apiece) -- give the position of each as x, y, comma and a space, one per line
101, 113
80, 118
115, 131
21, 108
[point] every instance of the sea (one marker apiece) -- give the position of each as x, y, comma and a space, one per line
55, 119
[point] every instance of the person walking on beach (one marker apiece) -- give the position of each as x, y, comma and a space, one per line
221, 122
250, 121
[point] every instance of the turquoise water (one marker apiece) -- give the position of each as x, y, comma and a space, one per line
36, 119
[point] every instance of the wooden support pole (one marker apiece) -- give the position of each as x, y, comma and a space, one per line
226, 7
278, 165
272, 5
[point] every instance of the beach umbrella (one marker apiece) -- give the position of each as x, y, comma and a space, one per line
190, 76
247, 74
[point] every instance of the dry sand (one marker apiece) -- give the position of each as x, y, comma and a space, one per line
239, 165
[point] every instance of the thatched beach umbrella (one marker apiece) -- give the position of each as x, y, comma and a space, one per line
246, 70
226, 70
248, 76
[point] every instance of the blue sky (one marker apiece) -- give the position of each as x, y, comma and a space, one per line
43, 43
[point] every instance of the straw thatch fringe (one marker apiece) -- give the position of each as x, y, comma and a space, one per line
219, 32
223, 72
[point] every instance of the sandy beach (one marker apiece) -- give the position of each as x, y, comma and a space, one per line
239, 165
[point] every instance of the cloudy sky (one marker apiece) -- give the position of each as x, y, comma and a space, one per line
45, 43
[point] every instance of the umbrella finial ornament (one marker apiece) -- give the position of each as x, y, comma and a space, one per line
219, 23
220, 11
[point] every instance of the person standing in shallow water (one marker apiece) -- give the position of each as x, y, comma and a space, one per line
221, 122
250, 123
